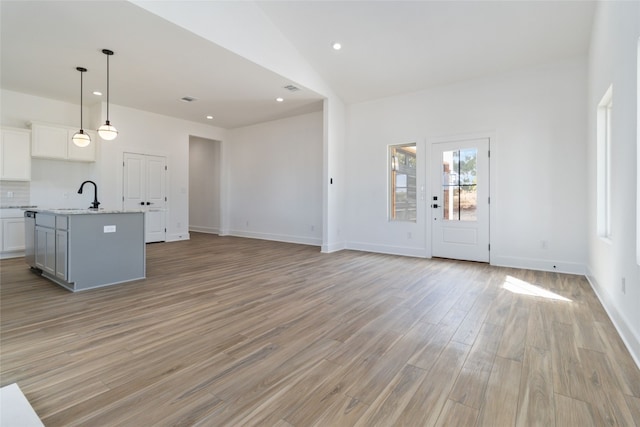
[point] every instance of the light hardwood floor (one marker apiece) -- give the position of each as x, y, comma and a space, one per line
231, 331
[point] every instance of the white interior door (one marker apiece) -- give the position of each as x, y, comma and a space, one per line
144, 179
460, 200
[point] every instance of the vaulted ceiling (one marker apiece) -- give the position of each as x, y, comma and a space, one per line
389, 47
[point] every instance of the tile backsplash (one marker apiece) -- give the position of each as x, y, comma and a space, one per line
14, 193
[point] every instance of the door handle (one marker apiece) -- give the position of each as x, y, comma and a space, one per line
149, 203
141, 203
435, 206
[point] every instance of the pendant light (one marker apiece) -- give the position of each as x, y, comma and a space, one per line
107, 131
80, 138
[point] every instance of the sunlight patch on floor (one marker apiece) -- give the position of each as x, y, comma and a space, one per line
521, 287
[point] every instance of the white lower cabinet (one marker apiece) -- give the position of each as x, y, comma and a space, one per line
12, 234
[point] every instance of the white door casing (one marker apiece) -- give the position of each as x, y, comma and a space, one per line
144, 183
460, 200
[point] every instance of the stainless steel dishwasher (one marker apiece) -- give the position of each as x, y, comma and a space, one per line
30, 238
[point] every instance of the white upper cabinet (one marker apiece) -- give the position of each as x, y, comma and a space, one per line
15, 155
50, 141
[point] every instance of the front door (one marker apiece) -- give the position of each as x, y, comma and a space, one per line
144, 188
460, 200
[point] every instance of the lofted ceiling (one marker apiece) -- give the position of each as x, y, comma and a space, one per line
389, 47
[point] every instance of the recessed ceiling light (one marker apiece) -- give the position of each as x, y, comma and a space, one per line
97, 93
279, 99
336, 46
188, 99
209, 117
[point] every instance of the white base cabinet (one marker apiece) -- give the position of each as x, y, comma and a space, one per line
12, 234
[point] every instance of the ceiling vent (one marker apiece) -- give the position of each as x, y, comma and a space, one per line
188, 99
292, 88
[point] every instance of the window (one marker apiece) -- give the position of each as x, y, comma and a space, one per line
459, 185
402, 194
604, 143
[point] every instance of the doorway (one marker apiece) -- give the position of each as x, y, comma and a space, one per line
460, 200
204, 185
144, 183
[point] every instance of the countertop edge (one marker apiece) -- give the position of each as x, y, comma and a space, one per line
85, 211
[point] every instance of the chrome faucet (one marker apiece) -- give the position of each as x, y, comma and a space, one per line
95, 203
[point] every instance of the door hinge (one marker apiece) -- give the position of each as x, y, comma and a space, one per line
123, 165
489, 200
489, 246
165, 167
165, 199
165, 230
489, 153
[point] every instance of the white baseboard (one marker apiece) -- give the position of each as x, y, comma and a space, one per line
630, 339
387, 249
538, 264
177, 236
302, 240
208, 230
333, 247
7, 255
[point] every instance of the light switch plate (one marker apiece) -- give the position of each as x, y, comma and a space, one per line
109, 228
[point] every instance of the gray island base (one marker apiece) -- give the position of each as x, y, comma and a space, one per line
85, 249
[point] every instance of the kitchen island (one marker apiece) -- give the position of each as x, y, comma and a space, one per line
89, 248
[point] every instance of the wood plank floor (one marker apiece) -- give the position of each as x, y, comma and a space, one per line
228, 331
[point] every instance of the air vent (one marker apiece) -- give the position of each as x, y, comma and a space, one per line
292, 88
188, 99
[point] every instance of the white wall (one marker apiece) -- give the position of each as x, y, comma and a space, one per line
275, 180
613, 60
243, 28
204, 185
537, 121
54, 183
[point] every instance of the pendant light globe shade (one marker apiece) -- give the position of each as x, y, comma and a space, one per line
81, 139
107, 132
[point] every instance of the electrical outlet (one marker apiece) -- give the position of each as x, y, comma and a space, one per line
313, 227
178, 225
409, 235
624, 285
247, 223
544, 244
10, 194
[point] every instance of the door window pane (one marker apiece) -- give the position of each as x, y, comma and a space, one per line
403, 195
459, 185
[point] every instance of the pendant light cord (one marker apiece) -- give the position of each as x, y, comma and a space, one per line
81, 100
108, 88
82, 70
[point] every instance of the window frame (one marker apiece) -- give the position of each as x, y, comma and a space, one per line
394, 166
604, 143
